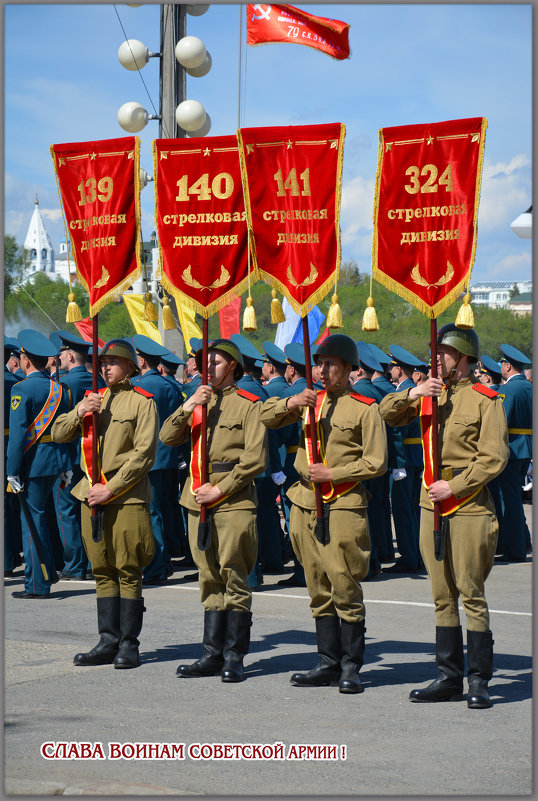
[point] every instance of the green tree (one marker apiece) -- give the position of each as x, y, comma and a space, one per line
16, 261
514, 291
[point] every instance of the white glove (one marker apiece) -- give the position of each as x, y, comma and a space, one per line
398, 473
182, 465
279, 478
15, 483
65, 478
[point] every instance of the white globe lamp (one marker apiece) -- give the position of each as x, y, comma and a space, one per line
190, 52
133, 55
197, 9
204, 130
132, 116
203, 69
190, 115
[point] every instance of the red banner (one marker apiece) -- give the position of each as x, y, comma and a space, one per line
292, 179
85, 329
99, 185
267, 23
426, 208
229, 318
201, 222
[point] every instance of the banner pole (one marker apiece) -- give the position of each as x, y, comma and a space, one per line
204, 524
95, 517
439, 533
311, 417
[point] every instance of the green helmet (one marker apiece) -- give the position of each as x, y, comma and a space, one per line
122, 348
341, 346
229, 349
464, 340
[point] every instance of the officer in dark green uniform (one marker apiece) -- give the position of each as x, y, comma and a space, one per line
473, 449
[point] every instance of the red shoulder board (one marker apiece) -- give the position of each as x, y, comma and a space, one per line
101, 391
362, 398
484, 390
248, 395
143, 392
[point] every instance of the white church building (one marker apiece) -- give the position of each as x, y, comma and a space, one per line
42, 256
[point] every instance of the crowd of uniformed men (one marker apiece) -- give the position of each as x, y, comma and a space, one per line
124, 529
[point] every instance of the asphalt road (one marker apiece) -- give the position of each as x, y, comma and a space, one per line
392, 747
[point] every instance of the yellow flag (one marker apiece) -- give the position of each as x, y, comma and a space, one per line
135, 305
189, 329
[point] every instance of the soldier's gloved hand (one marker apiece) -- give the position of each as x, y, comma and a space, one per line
279, 478
15, 483
66, 478
398, 473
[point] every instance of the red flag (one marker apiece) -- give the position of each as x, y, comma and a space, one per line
267, 23
323, 336
229, 318
84, 327
426, 207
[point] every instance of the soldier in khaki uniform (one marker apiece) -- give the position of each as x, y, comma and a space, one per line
128, 433
237, 453
473, 449
353, 444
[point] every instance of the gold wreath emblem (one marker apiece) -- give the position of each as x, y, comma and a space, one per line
104, 278
222, 280
418, 279
307, 281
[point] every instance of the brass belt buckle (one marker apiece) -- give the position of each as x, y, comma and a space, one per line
446, 474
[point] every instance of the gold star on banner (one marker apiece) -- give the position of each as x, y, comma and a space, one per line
334, 144
207, 152
475, 138
92, 156
61, 162
388, 147
250, 149
164, 154
429, 140
289, 144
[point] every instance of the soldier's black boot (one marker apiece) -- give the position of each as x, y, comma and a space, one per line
236, 644
327, 671
448, 686
480, 668
131, 614
210, 664
352, 640
108, 625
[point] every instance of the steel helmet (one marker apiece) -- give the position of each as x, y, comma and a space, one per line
341, 346
229, 349
122, 348
464, 340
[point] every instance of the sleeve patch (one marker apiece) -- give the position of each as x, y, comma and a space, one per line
484, 390
361, 398
143, 392
248, 395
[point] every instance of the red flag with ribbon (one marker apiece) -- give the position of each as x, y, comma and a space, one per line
269, 24
201, 221
426, 208
99, 186
292, 178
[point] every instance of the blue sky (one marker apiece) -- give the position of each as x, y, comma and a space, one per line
409, 64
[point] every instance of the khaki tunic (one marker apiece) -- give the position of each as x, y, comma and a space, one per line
355, 449
473, 438
234, 434
128, 426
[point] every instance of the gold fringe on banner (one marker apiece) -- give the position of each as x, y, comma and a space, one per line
465, 316
168, 318
73, 314
150, 312
277, 312
334, 317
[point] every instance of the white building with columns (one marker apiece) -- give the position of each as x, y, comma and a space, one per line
39, 245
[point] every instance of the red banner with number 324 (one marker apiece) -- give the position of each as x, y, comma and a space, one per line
426, 209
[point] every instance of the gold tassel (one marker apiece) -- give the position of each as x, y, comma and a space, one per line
369, 320
72, 314
334, 317
150, 312
277, 312
249, 316
465, 316
168, 318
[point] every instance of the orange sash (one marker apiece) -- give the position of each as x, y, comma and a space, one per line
328, 490
448, 505
45, 416
196, 456
86, 446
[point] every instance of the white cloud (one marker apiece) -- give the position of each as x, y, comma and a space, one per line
506, 192
513, 265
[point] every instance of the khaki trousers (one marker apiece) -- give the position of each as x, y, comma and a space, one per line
225, 566
334, 571
126, 547
470, 549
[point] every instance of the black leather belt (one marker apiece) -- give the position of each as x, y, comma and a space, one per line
448, 473
221, 467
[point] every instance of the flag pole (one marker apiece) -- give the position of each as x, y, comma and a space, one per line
95, 517
439, 533
321, 529
204, 526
